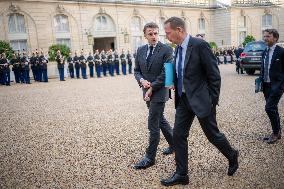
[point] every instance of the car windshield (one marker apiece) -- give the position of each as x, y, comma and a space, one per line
254, 47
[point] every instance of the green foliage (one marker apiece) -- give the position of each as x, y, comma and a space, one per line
54, 48
213, 45
248, 39
6, 48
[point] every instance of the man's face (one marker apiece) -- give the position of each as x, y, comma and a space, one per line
172, 34
269, 39
152, 34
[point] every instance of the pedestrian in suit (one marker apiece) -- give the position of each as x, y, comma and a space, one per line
150, 75
272, 75
197, 87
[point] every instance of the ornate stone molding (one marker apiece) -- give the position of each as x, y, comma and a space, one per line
267, 11
60, 8
182, 14
102, 10
202, 14
162, 14
243, 12
135, 12
14, 8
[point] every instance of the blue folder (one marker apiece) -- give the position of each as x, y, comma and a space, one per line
169, 70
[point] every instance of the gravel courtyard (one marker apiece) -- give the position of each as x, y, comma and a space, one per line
89, 133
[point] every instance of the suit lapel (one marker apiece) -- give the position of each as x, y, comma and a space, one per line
188, 53
274, 55
156, 51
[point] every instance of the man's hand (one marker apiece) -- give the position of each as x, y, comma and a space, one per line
146, 84
148, 94
172, 87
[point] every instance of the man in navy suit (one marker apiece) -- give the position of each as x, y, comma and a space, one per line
272, 75
197, 89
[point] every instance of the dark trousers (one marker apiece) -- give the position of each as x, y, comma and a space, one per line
111, 69
39, 74
44, 75
84, 72
157, 122
71, 72
17, 74
130, 68
34, 73
183, 120
61, 73
271, 107
104, 69
26, 76
98, 70
77, 72
91, 71
116, 67
239, 68
123, 69
7, 77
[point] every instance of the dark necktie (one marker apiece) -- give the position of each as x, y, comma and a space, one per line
179, 75
266, 63
150, 55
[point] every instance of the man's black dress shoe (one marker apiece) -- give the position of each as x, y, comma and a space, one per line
233, 164
144, 164
168, 151
272, 138
175, 179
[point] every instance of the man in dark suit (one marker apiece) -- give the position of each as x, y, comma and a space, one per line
197, 88
150, 75
238, 61
272, 75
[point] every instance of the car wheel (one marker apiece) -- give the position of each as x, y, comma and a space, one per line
250, 71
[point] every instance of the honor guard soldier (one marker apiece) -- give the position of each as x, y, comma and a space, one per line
33, 66
5, 70
129, 61
123, 62
90, 60
25, 69
70, 62
83, 65
2, 82
104, 62
43, 67
16, 67
77, 65
60, 65
98, 63
116, 62
110, 63
38, 69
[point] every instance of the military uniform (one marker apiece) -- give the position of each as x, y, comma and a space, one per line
33, 66
60, 66
5, 71
25, 70
110, 64
90, 60
129, 61
98, 65
38, 70
16, 68
83, 65
77, 66
116, 63
43, 68
104, 64
70, 66
123, 63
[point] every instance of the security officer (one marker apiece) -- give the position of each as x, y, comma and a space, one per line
16, 67
25, 69
90, 60
60, 65
116, 62
43, 67
70, 62
33, 66
110, 63
104, 62
98, 63
129, 61
77, 65
123, 62
83, 65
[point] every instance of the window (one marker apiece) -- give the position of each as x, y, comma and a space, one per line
19, 44
64, 41
61, 23
101, 22
16, 23
267, 21
136, 42
136, 25
201, 25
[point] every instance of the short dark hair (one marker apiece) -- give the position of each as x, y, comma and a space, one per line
274, 32
150, 25
175, 22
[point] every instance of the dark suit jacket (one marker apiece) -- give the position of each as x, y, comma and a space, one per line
201, 77
276, 71
155, 73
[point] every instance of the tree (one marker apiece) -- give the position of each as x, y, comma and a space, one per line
64, 49
6, 48
213, 45
248, 39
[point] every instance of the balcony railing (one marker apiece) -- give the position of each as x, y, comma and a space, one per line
255, 2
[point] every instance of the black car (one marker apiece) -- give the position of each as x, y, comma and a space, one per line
251, 57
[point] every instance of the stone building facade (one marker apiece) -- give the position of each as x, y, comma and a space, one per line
118, 24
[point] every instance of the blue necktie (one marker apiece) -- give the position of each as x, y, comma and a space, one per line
266, 63
179, 75
150, 55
